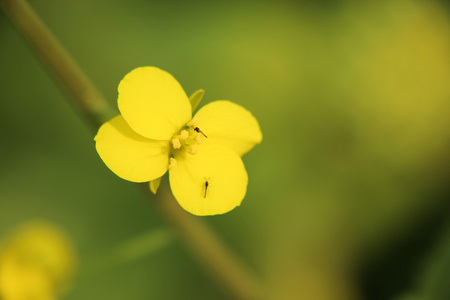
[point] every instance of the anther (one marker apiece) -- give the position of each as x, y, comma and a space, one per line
193, 150
198, 139
172, 163
193, 122
176, 143
184, 134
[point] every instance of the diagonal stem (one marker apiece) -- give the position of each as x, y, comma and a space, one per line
58, 61
218, 260
206, 246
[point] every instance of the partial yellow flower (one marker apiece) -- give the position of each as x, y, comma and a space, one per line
156, 132
35, 262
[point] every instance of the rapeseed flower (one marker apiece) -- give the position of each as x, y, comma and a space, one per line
156, 133
36, 261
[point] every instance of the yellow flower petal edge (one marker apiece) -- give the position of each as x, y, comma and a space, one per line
130, 155
196, 98
229, 124
153, 103
214, 181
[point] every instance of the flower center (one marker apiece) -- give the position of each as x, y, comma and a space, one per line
189, 138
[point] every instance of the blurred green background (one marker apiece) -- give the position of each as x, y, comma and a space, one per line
348, 194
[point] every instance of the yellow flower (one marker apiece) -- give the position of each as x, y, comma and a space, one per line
35, 263
156, 132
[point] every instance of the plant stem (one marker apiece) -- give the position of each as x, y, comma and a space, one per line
207, 247
227, 269
59, 62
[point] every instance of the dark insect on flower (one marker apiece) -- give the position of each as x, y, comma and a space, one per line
199, 131
206, 188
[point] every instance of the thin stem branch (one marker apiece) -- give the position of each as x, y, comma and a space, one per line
59, 62
227, 269
215, 256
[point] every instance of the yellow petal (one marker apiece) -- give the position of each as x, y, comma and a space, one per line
196, 98
213, 181
153, 103
230, 125
128, 154
154, 185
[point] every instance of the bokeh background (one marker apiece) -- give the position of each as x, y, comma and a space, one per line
348, 194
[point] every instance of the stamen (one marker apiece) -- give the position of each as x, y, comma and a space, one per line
176, 143
188, 139
193, 150
199, 139
172, 163
184, 134
193, 122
